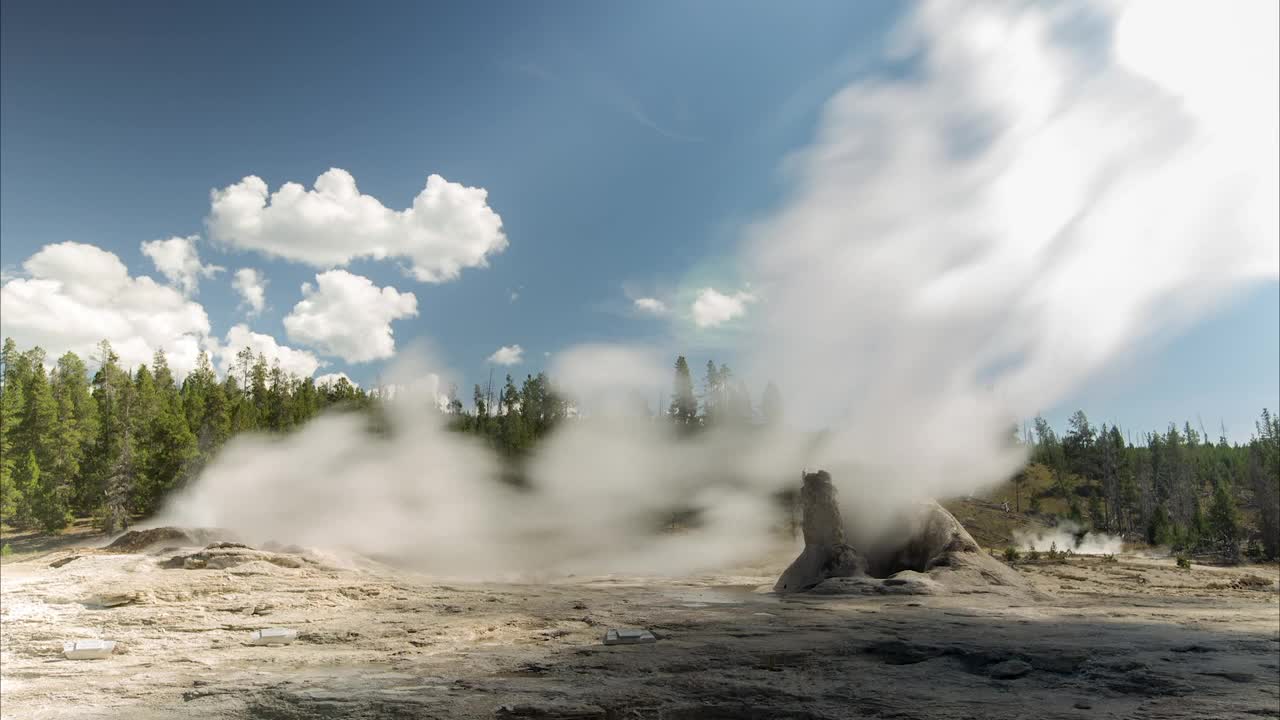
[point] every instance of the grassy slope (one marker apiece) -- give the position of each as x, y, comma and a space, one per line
985, 519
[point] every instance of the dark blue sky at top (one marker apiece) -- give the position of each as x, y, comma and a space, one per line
622, 144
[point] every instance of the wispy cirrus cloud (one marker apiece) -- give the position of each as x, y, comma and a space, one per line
603, 89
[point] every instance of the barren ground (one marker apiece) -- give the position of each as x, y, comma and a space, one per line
1133, 638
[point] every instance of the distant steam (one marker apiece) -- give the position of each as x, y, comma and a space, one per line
1068, 536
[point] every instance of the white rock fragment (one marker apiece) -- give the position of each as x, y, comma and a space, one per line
273, 636
618, 636
88, 649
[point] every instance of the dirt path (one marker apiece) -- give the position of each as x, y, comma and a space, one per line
1134, 638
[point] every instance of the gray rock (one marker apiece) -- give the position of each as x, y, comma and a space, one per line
826, 554
903, 583
548, 711
927, 551
924, 537
1009, 669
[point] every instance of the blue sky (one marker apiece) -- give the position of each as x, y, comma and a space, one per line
625, 148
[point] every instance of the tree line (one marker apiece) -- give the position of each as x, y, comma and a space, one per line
513, 419
1177, 488
114, 444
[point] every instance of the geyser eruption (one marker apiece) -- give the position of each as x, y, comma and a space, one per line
1045, 189
968, 241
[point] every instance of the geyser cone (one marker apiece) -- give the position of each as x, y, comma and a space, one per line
928, 551
825, 554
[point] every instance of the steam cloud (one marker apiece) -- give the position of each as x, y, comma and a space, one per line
1069, 536
965, 247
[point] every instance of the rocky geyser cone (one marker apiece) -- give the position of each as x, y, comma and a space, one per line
826, 554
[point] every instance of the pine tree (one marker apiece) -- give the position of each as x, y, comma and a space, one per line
162, 376
146, 406
170, 446
1224, 523
454, 405
713, 393
511, 431
1264, 475
1159, 529
49, 507
279, 390
71, 437
215, 423
257, 389
1049, 452
37, 429
240, 412
304, 402
10, 496
11, 404
341, 392
684, 407
242, 366
115, 463
204, 404
26, 479
482, 410
1078, 446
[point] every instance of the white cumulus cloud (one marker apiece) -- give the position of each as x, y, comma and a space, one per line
653, 306
712, 308
75, 295
448, 228
333, 378
507, 355
179, 261
348, 316
293, 361
252, 286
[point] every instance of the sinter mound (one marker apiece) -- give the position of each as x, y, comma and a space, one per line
135, 541
929, 552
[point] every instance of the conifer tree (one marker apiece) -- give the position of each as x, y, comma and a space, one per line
1264, 475
11, 405
37, 429
63, 478
511, 431
1224, 523
170, 446
26, 479
482, 410
115, 463
684, 407
257, 389
712, 394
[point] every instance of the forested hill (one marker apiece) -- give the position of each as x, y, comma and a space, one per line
113, 444
1176, 488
